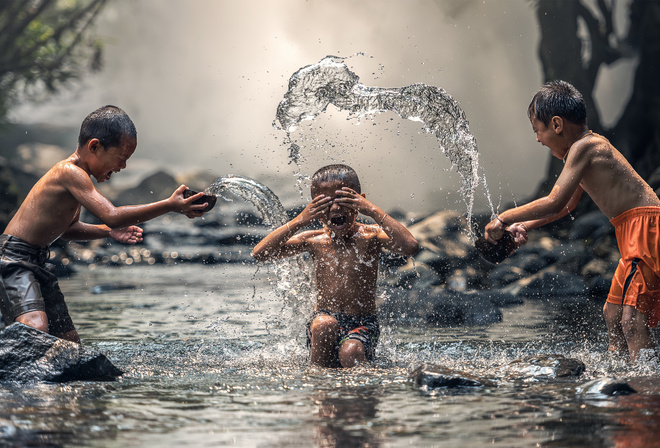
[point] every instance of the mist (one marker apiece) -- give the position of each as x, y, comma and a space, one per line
202, 80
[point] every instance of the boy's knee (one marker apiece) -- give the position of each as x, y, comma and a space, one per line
324, 325
34, 319
351, 353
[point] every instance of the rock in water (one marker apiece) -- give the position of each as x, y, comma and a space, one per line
605, 386
548, 366
28, 355
431, 376
496, 253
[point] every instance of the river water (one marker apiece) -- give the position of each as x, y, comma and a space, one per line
213, 357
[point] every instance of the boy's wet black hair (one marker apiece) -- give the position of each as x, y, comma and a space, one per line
560, 99
337, 172
109, 124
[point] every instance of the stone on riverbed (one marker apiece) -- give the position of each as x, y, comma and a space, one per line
605, 386
29, 355
432, 376
545, 366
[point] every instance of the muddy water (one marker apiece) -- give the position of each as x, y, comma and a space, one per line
212, 358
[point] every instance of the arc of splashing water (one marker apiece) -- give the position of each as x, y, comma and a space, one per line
314, 87
293, 275
262, 197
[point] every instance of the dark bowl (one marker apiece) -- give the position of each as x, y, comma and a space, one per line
211, 199
496, 253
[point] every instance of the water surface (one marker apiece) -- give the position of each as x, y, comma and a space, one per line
214, 358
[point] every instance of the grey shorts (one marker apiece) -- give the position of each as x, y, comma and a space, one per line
28, 284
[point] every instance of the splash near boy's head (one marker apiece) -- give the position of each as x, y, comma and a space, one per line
107, 139
326, 181
558, 99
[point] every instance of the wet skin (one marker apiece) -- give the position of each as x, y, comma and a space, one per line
345, 256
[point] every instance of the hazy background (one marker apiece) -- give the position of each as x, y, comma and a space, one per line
202, 80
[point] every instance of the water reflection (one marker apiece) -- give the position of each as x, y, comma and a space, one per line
346, 418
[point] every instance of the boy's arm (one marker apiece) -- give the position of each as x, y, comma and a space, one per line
563, 198
81, 231
79, 184
395, 236
283, 241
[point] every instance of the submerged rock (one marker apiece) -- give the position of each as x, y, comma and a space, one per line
432, 376
606, 386
546, 366
28, 355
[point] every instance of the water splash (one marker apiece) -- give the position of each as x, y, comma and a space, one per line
294, 275
262, 197
330, 81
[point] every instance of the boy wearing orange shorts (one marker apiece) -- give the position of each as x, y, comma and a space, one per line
559, 119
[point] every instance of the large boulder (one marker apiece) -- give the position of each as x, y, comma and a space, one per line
30, 355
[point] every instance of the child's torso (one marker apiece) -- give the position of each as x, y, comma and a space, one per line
612, 182
346, 273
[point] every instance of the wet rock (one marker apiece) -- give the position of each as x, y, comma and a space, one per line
545, 366
431, 376
28, 355
451, 308
443, 238
506, 274
417, 274
110, 287
156, 187
590, 226
549, 282
605, 386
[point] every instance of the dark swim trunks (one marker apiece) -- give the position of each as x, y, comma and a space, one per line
365, 329
27, 284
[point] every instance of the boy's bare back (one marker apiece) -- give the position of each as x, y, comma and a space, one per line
606, 176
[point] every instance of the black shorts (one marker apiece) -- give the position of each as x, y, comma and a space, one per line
365, 329
29, 284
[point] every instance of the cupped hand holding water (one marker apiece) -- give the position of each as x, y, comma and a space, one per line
128, 235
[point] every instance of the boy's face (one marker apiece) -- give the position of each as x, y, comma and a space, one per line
547, 136
338, 218
107, 161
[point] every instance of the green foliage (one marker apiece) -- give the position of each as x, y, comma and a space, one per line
43, 45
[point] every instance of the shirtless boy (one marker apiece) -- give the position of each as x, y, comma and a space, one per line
344, 329
29, 291
558, 116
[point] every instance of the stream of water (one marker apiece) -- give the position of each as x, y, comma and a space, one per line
211, 359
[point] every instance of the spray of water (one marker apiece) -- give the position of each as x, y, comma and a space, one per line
294, 276
330, 81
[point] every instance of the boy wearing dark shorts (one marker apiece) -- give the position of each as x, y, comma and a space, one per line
343, 330
29, 291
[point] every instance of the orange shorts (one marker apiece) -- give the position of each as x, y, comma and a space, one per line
636, 281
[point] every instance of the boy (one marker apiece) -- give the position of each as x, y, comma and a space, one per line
558, 117
29, 292
343, 330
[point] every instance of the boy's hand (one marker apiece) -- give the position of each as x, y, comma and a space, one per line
494, 231
185, 205
519, 231
350, 198
128, 235
316, 209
